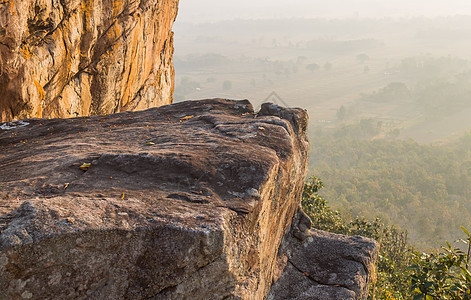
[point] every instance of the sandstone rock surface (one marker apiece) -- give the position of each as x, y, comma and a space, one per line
185, 201
73, 58
326, 266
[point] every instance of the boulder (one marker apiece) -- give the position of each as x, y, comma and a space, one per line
185, 201
323, 265
72, 58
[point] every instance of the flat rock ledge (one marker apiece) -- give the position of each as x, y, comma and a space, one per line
185, 201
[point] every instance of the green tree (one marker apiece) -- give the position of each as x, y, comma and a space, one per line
442, 275
341, 113
362, 57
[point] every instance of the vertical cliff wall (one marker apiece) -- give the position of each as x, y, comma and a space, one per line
66, 58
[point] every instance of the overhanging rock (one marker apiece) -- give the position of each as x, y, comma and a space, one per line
186, 201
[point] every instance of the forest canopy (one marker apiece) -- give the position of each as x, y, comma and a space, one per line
422, 188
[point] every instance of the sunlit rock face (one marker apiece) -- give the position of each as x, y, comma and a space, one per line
72, 58
184, 201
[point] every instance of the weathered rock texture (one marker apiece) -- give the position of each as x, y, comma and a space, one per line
186, 201
325, 266
68, 58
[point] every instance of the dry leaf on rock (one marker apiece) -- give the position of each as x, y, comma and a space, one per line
85, 166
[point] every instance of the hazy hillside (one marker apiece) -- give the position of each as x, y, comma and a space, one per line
389, 101
423, 188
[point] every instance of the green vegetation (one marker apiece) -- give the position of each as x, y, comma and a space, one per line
444, 275
401, 271
422, 188
396, 255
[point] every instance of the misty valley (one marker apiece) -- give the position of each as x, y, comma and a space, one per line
388, 99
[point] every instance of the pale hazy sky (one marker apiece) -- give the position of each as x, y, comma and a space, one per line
214, 10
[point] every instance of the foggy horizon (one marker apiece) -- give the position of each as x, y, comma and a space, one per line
213, 11
386, 85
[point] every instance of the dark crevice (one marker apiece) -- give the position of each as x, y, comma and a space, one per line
6, 45
52, 78
65, 18
183, 197
317, 282
12, 111
239, 210
277, 123
134, 101
164, 291
51, 53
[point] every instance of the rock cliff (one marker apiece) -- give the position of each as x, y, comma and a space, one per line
194, 200
187, 200
73, 58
